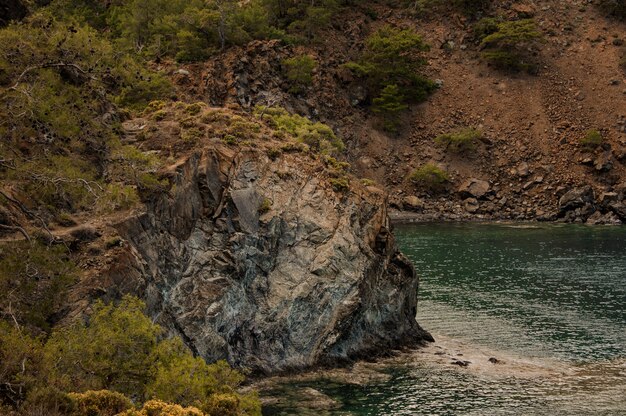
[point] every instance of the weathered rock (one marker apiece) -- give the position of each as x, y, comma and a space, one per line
475, 188
315, 278
576, 198
523, 169
413, 203
604, 162
597, 218
607, 198
471, 205
619, 208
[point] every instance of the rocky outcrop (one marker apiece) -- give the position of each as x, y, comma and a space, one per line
262, 263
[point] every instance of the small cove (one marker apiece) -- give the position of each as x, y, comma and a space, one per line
548, 302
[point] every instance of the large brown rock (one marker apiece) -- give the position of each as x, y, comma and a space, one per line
316, 278
474, 188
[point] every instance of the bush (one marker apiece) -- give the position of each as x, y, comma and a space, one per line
299, 71
101, 403
392, 57
21, 363
391, 63
119, 350
265, 206
317, 136
430, 177
389, 105
340, 184
161, 408
34, 279
509, 46
593, 138
459, 141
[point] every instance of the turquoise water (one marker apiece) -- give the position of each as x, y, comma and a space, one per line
548, 301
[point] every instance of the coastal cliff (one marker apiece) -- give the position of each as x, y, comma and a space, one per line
264, 263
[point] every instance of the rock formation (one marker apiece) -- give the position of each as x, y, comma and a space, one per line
261, 262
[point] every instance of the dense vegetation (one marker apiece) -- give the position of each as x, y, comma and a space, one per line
117, 359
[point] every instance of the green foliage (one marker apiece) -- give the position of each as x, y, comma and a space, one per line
430, 177
593, 138
485, 27
33, 281
460, 141
299, 71
21, 363
101, 403
472, 7
317, 136
508, 46
112, 352
161, 408
390, 63
265, 206
119, 350
60, 85
340, 184
117, 354
389, 105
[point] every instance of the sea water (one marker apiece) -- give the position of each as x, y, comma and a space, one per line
528, 319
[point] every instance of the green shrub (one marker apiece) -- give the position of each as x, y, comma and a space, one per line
430, 177
265, 206
392, 57
299, 71
161, 408
340, 184
509, 46
21, 363
389, 105
593, 138
485, 27
101, 403
273, 153
34, 279
460, 141
317, 136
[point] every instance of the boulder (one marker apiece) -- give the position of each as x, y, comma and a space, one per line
471, 205
316, 279
597, 218
523, 169
603, 162
474, 188
413, 203
576, 198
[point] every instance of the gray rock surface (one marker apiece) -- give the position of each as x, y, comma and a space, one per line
315, 279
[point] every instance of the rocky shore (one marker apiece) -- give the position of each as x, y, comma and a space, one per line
479, 200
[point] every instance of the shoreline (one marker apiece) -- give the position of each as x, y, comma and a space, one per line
412, 217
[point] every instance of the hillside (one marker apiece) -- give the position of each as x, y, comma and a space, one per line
216, 180
532, 124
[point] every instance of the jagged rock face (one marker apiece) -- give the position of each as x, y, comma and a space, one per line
264, 264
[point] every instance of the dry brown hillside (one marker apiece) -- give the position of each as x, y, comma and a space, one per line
530, 153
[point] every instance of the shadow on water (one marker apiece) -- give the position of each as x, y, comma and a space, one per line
548, 301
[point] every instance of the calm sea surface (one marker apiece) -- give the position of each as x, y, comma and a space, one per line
547, 302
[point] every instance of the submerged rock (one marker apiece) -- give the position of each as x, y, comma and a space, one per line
271, 271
